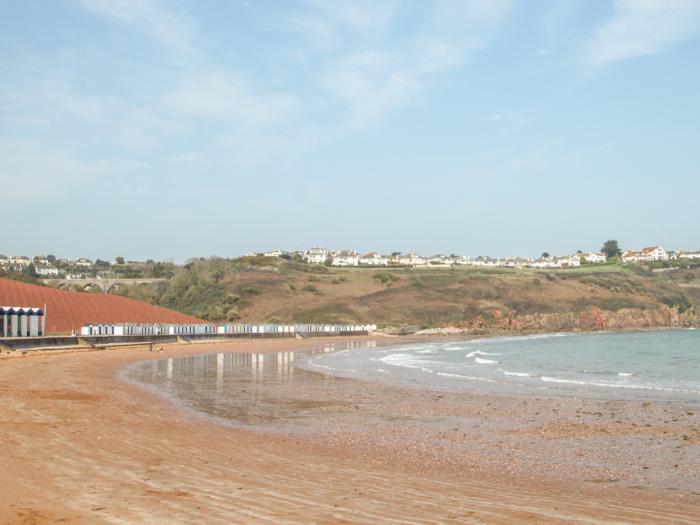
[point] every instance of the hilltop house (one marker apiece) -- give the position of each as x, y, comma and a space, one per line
461, 259
648, 254
515, 262
346, 258
410, 259
568, 261
593, 257
439, 260
47, 271
83, 262
316, 255
373, 259
483, 260
20, 260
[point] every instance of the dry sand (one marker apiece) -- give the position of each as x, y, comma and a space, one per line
77, 445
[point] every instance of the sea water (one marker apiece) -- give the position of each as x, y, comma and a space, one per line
282, 389
613, 365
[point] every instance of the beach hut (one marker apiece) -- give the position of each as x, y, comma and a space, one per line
21, 321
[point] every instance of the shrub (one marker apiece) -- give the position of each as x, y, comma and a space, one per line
385, 277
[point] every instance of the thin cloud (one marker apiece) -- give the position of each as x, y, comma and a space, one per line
378, 74
32, 169
643, 27
229, 98
176, 30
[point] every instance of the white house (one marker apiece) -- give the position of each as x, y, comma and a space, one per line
439, 260
544, 262
47, 271
657, 252
410, 259
374, 259
682, 254
83, 262
461, 259
346, 258
594, 257
482, 260
648, 254
568, 261
316, 255
515, 262
20, 260
273, 253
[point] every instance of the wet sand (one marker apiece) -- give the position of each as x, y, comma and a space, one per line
77, 445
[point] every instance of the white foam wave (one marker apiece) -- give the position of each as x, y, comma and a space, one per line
481, 361
404, 360
613, 385
471, 378
514, 338
625, 374
517, 374
479, 352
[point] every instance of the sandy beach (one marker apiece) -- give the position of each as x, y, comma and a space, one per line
78, 445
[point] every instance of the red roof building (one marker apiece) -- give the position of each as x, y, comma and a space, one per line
68, 311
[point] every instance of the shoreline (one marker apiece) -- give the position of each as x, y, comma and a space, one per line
423, 334
83, 446
488, 386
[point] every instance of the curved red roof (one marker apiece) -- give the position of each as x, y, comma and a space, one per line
67, 311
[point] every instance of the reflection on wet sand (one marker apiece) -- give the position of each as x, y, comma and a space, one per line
242, 388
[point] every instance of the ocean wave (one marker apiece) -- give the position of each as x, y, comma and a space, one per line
517, 374
515, 338
404, 360
479, 352
471, 378
481, 361
548, 379
312, 363
451, 346
625, 374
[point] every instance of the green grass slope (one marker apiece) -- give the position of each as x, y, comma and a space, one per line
259, 289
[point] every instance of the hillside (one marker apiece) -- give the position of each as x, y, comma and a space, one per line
67, 311
277, 290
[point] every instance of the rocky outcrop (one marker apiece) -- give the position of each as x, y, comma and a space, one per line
590, 320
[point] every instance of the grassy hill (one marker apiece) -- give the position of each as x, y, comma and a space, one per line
260, 289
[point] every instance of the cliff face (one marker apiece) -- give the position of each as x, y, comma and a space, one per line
593, 319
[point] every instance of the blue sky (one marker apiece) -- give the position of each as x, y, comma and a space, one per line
156, 129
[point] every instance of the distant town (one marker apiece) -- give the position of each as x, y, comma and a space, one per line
51, 267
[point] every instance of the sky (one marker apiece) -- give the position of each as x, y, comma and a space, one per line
173, 129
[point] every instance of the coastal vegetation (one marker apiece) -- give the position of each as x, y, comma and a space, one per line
260, 289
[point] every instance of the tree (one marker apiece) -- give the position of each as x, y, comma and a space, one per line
51, 258
611, 249
119, 260
30, 270
545, 255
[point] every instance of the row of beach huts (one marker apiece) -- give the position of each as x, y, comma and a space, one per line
225, 329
